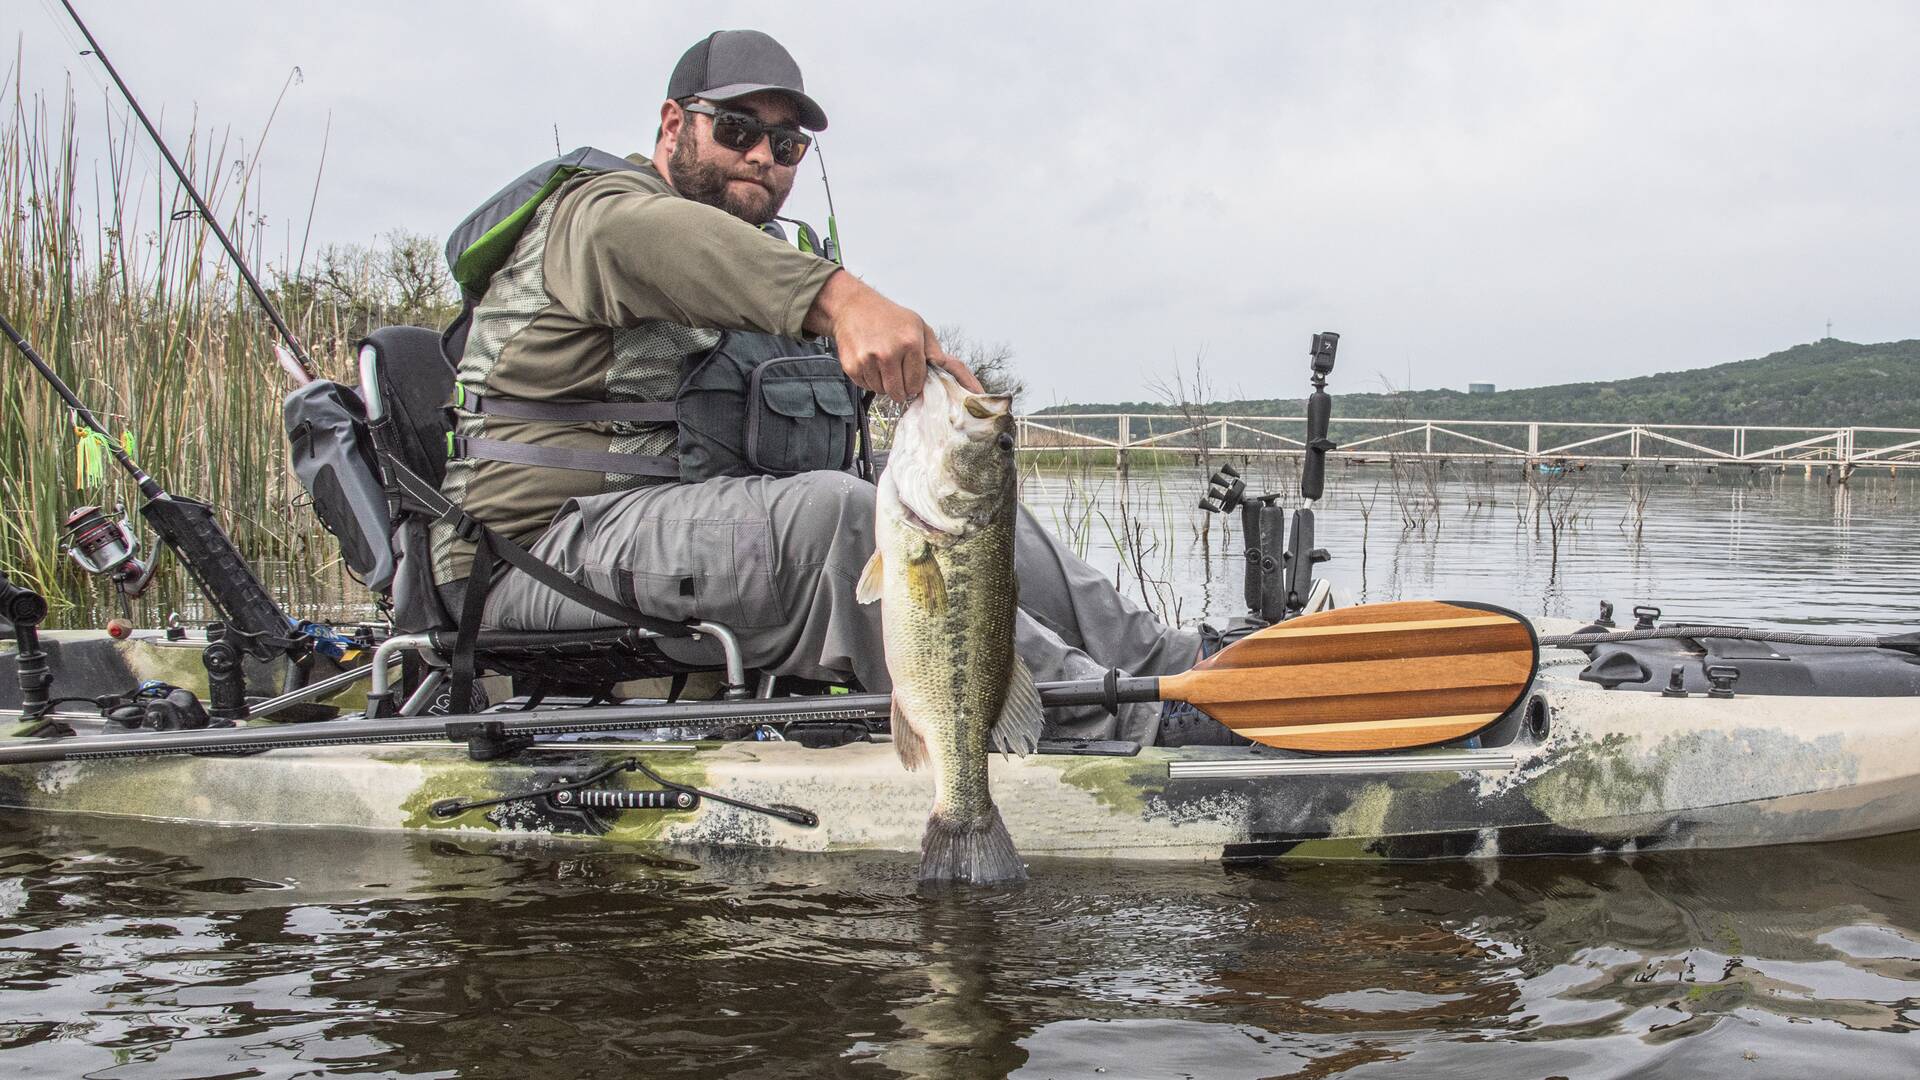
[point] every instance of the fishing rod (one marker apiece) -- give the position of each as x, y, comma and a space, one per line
833, 223
302, 369
188, 526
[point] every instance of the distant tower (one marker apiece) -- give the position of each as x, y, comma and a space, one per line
1829, 336
1479, 388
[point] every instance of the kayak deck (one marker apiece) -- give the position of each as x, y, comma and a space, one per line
1614, 772
1585, 770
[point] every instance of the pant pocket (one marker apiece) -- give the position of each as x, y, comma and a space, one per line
697, 551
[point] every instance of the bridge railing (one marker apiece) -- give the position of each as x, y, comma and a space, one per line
1524, 441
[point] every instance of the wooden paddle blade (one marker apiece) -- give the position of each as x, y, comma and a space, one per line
1369, 678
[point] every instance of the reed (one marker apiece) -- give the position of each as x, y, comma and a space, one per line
109, 272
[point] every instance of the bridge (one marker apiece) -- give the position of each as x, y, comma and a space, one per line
1523, 442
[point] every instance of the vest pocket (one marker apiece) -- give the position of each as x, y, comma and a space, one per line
800, 416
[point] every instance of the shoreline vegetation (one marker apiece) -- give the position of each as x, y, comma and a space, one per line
118, 282
121, 286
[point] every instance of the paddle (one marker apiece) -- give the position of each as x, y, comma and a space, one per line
1363, 679
1367, 679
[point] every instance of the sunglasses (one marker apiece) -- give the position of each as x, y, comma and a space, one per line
739, 132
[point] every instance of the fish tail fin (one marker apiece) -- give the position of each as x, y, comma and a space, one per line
978, 852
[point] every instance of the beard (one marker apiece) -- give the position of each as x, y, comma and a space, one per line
707, 182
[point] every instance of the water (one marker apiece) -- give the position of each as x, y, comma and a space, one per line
145, 950
142, 950
1761, 549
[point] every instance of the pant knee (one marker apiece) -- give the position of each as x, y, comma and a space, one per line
831, 516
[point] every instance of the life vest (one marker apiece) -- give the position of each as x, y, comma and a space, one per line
755, 404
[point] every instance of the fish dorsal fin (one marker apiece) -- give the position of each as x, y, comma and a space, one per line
925, 583
1021, 718
907, 741
872, 580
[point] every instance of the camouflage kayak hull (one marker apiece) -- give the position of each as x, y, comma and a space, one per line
1584, 770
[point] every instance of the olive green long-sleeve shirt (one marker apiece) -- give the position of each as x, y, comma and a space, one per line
616, 283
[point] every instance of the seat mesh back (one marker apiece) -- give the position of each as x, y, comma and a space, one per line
416, 385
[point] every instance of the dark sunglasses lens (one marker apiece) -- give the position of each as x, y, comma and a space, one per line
736, 132
789, 148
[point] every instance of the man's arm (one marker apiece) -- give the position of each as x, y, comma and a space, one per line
622, 252
883, 347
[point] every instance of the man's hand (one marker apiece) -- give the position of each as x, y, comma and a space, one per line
883, 347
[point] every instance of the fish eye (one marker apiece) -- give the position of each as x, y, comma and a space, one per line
1006, 441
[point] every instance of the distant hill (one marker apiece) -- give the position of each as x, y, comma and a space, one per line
1827, 383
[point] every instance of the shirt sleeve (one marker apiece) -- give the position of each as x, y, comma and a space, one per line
619, 254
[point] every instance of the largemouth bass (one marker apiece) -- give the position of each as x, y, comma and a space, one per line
942, 568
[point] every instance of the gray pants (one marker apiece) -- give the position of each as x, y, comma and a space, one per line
775, 560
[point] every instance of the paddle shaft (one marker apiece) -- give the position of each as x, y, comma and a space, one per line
692, 714
1902, 642
1372, 678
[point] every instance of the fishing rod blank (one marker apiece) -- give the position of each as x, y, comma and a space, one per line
206, 212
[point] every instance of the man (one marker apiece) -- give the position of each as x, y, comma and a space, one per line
622, 282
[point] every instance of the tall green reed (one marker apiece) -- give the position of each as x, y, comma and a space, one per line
115, 279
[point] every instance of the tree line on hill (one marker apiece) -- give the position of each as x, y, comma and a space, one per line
1828, 383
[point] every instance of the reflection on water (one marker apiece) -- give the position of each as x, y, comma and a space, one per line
1765, 549
131, 949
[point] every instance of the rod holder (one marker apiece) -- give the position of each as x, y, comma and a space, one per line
226, 675
24, 610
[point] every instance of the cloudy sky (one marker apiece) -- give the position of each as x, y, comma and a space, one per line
1523, 193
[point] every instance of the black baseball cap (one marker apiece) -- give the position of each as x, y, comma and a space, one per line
731, 64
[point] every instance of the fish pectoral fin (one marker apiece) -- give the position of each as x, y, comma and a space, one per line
925, 582
1021, 718
872, 580
907, 741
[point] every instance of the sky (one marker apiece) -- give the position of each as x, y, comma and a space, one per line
1519, 193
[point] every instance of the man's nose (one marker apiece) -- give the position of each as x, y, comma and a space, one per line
761, 152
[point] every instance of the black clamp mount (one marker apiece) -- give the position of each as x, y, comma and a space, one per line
24, 610
1279, 580
225, 661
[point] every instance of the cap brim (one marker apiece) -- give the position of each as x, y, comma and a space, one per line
812, 117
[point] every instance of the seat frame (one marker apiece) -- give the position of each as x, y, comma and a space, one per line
592, 659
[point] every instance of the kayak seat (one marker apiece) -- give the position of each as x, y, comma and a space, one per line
407, 384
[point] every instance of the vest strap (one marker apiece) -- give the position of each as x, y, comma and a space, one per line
565, 412
554, 457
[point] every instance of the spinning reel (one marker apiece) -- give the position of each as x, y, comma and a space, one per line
107, 546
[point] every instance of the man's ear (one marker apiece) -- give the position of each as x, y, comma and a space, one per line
671, 117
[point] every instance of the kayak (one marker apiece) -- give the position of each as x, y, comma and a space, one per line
1588, 765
